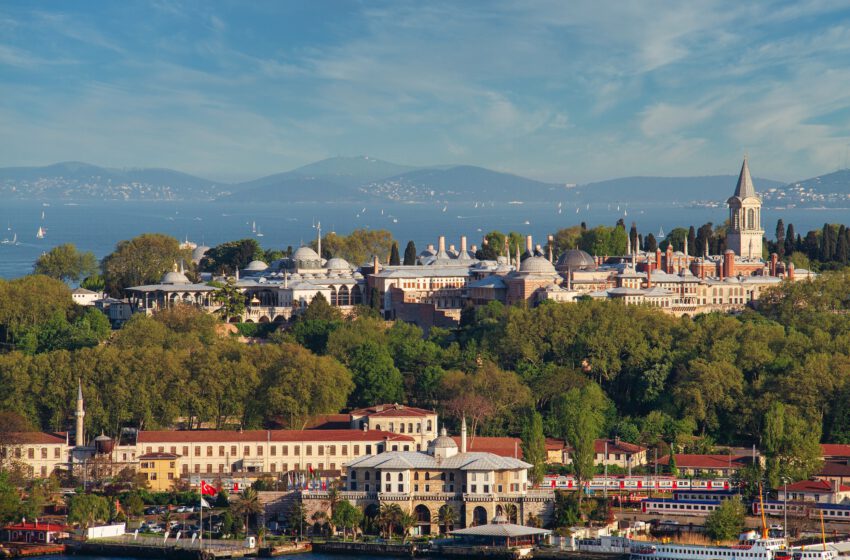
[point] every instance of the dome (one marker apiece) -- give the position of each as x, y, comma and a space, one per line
575, 259
305, 254
337, 264
256, 266
174, 278
536, 265
443, 441
199, 252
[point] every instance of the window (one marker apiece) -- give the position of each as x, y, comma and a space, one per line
221, 468
368, 450
378, 427
273, 467
297, 466
209, 451
419, 427
367, 488
392, 426
354, 485
410, 427
401, 487
185, 450
209, 467
388, 488
274, 450
233, 452
221, 451
247, 451
416, 475
332, 450
171, 476
57, 452
186, 469
160, 449
401, 427
474, 488
321, 466
44, 453
429, 428
427, 487
284, 450
259, 451
321, 450
388, 477
400, 477
197, 469
366, 475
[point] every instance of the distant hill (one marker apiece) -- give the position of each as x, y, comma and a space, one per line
82, 180
352, 170
682, 190
831, 189
460, 182
292, 187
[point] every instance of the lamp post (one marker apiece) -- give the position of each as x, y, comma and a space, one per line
785, 510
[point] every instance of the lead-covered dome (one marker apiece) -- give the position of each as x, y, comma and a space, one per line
305, 254
575, 259
174, 278
338, 264
256, 266
536, 265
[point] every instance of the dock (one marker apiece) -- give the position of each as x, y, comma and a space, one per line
158, 547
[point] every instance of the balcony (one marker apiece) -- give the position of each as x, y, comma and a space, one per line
479, 497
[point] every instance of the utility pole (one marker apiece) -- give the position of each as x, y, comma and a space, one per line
605, 468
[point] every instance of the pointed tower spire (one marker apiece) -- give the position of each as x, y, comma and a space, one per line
463, 434
319, 239
80, 414
745, 188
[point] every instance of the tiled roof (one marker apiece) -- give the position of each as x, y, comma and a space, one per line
831, 468
501, 530
158, 455
835, 450
224, 436
617, 447
553, 444
329, 422
501, 446
37, 527
687, 460
391, 410
422, 460
814, 487
43, 438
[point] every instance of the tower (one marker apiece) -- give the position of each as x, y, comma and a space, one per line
463, 434
80, 414
745, 234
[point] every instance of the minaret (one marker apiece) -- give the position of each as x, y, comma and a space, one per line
463, 434
80, 414
319, 239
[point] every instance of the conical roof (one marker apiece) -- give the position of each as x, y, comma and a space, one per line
745, 188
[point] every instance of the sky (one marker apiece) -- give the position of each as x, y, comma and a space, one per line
560, 91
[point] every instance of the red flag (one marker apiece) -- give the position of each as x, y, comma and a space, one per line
311, 469
207, 489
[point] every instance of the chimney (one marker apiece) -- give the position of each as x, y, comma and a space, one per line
648, 275
657, 258
463, 244
442, 244
730, 263
791, 271
463, 434
668, 262
774, 258
721, 268
551, 240
528, 245
376, 265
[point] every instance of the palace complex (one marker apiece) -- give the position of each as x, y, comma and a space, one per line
435, 289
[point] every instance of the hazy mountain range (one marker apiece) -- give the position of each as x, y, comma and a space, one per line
363, 179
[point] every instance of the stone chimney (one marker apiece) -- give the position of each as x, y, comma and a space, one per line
721, 267
669, 259
791, 271
730, 264
529, 245
649, 266
463, 244
657, 259
376, 264
774, 258
442, 244
551, 240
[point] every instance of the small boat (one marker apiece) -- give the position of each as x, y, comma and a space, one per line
661, 234
259, 233
40, 233
527, 223
395, 220
445, 208
253, 227
42, 214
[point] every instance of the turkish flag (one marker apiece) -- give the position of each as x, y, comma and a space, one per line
207, 489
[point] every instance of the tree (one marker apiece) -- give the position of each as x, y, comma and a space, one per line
410, 254
581, 414
446, 515
567, 513
296, 516
692, 241
534, 445
88, 509
10, 499
791, 445
320, 310
248, 506
347, 516
141, 260
376, 379
389, 516
93, 282
394, 258
229, 257
359, 245
66, 263
651, 244
727, 521
231, 300
406, 521
780, 238
790, 240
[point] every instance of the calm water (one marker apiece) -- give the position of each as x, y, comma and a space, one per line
97, 226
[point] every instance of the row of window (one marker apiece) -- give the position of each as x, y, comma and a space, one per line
273, 467
246, 450
401, 425
17, 452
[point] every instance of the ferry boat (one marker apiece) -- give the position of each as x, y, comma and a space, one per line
746, 549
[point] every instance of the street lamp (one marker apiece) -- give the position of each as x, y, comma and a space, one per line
785, 510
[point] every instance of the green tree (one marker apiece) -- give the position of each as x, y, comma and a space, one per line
447, 516
791, 445
247, 506
534, 445
394, 257
88, 509
376, 379
230, 299
410, 254
727, 521
93, 282
141, 260
581, 412
10, 499
359, 245
567, 513
296, 517
347, 516
406, 521
66, 263
229, 257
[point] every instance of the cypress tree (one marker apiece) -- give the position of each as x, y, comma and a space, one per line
394, 258
827, 244
375, 299
651, 244
780, 238
634, 237
534, 445
790, 239
410, 254
841, 248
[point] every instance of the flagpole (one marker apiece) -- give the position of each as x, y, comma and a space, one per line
201, 494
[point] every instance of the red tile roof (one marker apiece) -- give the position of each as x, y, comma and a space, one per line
814, 487
553, 444
835, 450
502, 446
617, 447
158, 455
43, 438
687, 460
391, 410
832, 468
329, 422
52, 527
225, 436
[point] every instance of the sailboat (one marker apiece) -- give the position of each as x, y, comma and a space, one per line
661, 234
253, 227
13, 241
40, 233
259, 233
42, 214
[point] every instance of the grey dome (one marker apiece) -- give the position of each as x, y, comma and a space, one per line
575, 259
174, 278
305, 254
256, 266
443, 441
536, 265
337, 264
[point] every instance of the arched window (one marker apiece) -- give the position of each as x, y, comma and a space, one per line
751, 219
334, 297
343, 296
356, 295
400, 477
389, 478
429, 426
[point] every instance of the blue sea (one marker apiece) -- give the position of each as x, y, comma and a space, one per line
98, 226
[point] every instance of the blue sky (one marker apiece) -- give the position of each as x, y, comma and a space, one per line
558, 90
